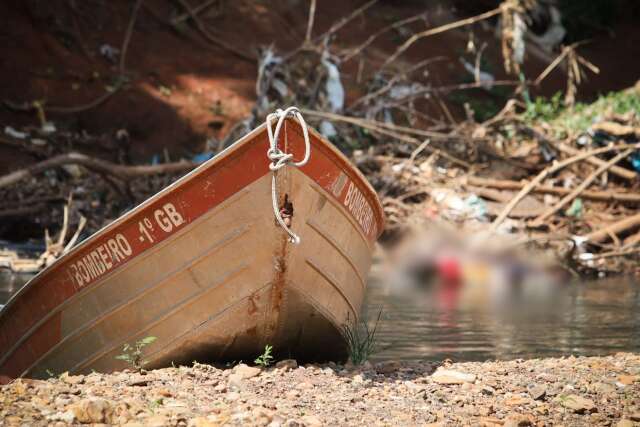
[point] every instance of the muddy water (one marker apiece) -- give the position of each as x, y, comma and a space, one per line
596, 318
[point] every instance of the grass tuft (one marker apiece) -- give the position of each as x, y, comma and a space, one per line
361, 339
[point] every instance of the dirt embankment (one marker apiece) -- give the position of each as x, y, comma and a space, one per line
179, 88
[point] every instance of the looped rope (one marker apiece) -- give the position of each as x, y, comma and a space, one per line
280, 159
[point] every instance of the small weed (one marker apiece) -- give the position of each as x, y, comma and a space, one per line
361, 339
155, 404
132, 353
51, 373
265, 358
543, 109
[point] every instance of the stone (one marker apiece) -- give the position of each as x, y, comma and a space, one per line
165, 393
93, 410
67, 417
491, 422
518, 420
628, 379
287, 364
138, 381
232, 396
156, 421
292, 394
488, 390
625, 423
605, 388
388, 367
311, 421
577, 404
635, 416
72, 379
305, 385
447, 376
517, 401
235, 381
277, 421
246, 371
202, 422
537, 392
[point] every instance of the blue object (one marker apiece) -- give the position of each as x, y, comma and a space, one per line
635, 161
202, 157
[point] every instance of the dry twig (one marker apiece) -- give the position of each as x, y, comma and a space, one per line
441, 29
551, 170
580, 188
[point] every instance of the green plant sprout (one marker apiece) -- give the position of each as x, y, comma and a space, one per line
132, 353
265, 358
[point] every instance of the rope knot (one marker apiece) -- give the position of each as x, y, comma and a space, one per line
280, 159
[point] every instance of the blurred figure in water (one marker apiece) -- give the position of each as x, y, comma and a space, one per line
471, 273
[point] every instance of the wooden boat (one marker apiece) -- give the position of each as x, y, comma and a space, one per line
205, 268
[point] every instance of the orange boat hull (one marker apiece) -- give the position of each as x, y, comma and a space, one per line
204, 267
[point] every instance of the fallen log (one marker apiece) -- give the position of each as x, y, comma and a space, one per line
122, 172
601, 196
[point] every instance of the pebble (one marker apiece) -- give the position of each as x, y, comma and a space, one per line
287, 364
447, 376
537, 392
576, 403
93, 410
557, 391
246, 371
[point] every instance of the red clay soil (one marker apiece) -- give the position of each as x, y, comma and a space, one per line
182, 90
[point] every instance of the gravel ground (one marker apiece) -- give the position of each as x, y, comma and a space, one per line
566, 391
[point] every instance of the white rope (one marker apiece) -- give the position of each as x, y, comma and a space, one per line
280, 159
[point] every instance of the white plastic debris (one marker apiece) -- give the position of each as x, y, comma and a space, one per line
8, 130
109, 52
334, 88
327, 129
48, 127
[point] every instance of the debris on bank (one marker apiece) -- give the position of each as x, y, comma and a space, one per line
538, 392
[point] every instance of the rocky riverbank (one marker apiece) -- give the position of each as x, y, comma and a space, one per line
566, 391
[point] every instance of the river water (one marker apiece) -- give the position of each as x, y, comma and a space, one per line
595, 318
